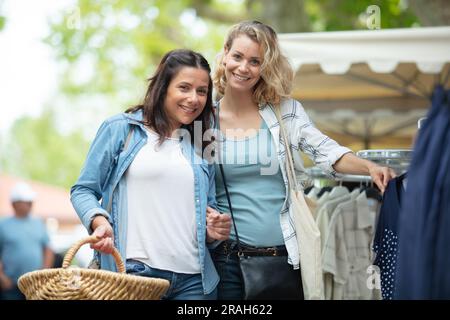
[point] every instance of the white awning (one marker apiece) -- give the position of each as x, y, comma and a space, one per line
382, 50
356, 73
399, 66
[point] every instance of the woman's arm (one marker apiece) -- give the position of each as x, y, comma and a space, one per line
351, 164
5, 282
49, 258
218, 225
330, 156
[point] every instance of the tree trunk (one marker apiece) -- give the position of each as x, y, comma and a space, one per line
283, 15
431, 12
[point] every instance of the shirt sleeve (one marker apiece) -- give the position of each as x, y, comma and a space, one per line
212, 199
212, 187
87, 191
320, 148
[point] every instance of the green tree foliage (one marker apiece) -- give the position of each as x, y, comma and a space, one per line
110, 47
118, 43
350, 15
38, 151
2, 17
329, 15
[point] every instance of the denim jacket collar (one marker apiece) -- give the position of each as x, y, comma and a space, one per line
135, 117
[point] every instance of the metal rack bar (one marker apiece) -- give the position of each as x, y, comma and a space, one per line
397, 159
386, 154
317, 173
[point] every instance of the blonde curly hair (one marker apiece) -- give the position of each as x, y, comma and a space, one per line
277, 74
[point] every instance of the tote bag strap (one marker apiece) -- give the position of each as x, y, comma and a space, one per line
231, 208
292, 179
216, 126
309, 233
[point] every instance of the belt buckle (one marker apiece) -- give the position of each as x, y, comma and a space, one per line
273, 250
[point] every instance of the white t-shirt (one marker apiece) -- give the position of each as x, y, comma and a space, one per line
161, 210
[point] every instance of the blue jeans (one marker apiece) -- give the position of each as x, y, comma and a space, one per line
230, 286
183, 286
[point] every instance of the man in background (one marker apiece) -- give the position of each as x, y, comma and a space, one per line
24, 243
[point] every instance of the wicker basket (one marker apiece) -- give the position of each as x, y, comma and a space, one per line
68, 283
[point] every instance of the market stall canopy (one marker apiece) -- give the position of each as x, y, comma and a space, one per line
360, 73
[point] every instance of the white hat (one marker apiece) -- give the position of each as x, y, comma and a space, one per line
22, 192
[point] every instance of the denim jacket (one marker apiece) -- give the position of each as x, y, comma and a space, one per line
102, 178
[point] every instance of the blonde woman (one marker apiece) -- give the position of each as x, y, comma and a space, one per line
253, 78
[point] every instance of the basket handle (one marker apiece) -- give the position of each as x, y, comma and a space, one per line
91, 239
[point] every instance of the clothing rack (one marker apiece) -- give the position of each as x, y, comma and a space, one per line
397, 159
317, 173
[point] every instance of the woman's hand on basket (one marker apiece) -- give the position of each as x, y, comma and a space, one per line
104, 232
218, 225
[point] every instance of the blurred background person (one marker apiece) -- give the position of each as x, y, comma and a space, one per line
24, 243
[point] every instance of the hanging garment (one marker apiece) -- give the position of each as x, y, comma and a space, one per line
385, 244
335, 197
347, 254
328, 205
424, 224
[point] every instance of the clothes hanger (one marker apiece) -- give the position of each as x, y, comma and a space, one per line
339, 190
323, 190
364, 186
307, 190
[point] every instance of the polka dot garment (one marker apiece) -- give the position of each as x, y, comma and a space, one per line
386, 261
385, 244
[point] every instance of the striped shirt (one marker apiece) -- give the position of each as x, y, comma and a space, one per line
305, 137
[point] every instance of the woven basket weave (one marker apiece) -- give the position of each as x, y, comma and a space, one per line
69, 283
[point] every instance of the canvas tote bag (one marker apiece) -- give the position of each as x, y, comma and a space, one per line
308, 234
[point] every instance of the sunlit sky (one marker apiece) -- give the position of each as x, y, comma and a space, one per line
28, 71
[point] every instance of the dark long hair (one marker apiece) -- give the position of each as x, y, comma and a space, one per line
154, 114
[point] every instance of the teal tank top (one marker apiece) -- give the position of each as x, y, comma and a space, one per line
256, 187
